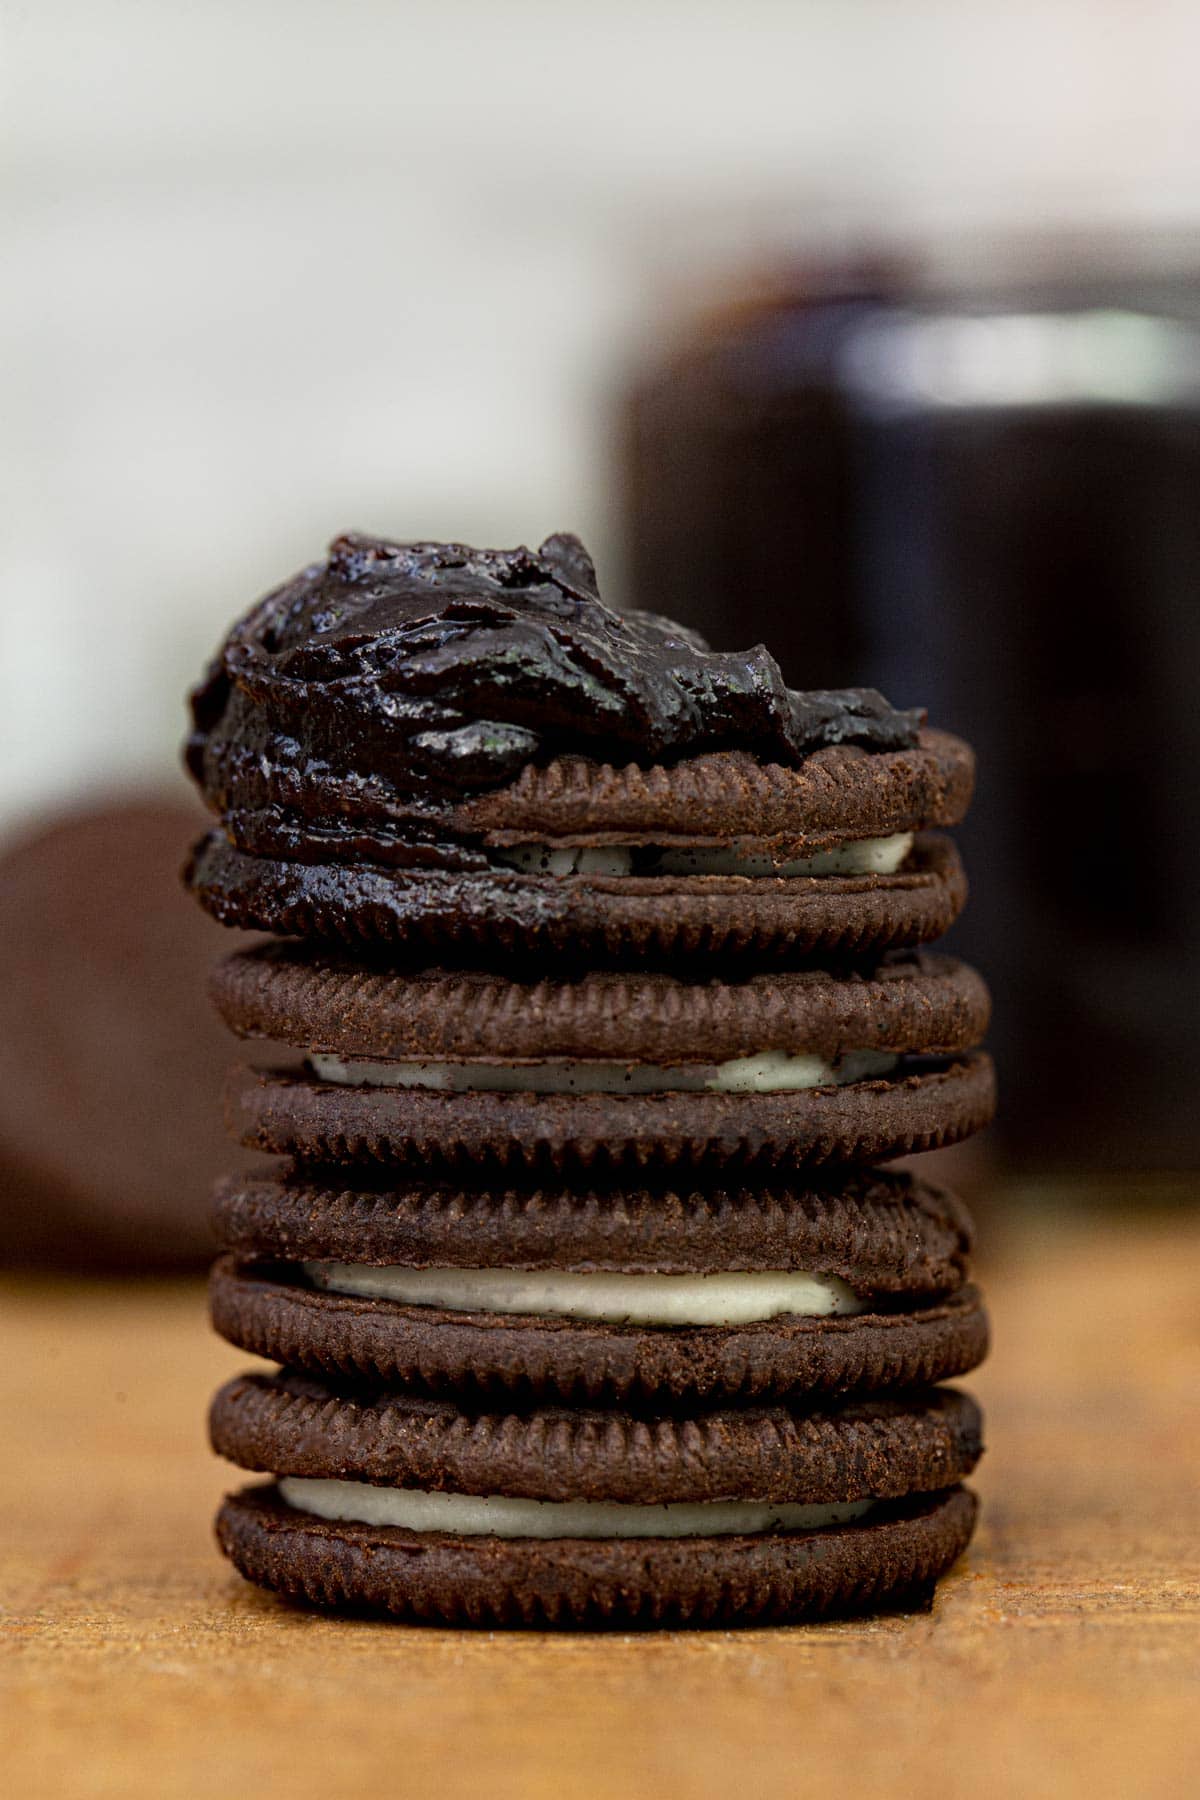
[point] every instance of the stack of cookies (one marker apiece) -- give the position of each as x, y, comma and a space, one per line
599, 958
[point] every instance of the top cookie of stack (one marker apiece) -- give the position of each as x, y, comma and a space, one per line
462, 750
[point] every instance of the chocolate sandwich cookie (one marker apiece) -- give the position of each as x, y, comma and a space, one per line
774, 1070
850, 1283
465, 749
421, 1509
111, 1062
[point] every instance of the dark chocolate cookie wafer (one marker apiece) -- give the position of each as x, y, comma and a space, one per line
586, 912
287, 1423
871, 1121
276, 1312
420, 1509
467, 749
914, 1003
893, 1559
778, 1069
885, 1232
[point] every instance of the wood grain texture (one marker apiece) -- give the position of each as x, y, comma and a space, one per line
1061, 1659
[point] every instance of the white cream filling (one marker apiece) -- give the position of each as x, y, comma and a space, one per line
866, 856
575, 859
769, 1072
499, 1515
861, 856
736, 1298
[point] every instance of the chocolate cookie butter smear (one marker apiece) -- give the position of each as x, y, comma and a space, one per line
446, 669
598, 961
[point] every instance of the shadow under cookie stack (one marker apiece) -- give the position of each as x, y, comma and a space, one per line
592, 1298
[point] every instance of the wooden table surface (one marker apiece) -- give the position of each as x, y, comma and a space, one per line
1061, 1659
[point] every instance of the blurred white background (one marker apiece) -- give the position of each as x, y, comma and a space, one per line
279, 267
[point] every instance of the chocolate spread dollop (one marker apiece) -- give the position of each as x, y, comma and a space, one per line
445, 669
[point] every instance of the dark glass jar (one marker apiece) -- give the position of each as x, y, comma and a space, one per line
990, 506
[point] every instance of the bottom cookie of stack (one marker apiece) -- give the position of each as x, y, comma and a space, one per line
392, 1502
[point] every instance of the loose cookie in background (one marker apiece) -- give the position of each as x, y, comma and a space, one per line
111, 1063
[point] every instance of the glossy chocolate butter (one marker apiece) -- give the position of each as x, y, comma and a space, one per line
437, 670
